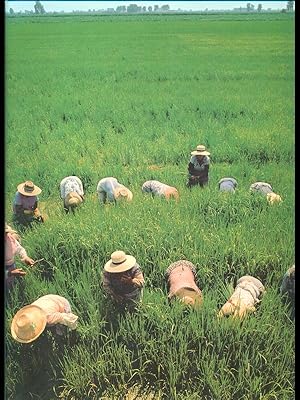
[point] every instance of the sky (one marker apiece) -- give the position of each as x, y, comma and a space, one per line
66, 6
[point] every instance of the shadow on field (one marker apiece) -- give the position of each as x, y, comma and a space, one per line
40, 373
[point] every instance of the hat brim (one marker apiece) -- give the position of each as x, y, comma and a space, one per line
35, 192
125, 266
190, 293
8, 229
73, 195
200, 153
42, 320
119, 194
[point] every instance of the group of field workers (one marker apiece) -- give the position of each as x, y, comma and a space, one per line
122, 278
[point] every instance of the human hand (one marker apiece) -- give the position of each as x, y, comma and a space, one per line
17, 272
137, 282
27, 260
127, 280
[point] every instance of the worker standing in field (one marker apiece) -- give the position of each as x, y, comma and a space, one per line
287, 288
157, 188
244, 298
51, 311
227, 185
123, 280
109, 189
12, 248
25, 204
198, 167
180, 277
266, 190
71, 191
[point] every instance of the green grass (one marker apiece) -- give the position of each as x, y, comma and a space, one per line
111, 96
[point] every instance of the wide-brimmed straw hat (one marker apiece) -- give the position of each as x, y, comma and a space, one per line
9, 229
200, 151
12, 232
119, 262
123, 193
28, 324
28, 189
273, 198
189, 296
73, 199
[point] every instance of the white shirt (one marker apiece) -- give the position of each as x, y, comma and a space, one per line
107, 186
71, 184
261, 187
227, 184
197, 165
155, 187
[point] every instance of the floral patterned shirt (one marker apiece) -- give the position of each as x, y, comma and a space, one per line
71, 184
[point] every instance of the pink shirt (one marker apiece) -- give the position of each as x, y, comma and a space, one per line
12, 247
57, 309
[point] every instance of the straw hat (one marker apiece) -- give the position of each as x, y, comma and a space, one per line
273, 198
9, 229
189, 297
238, 309
200, 151
123, 193
28, 189
12, 232
73, 199
119, 262
28, 324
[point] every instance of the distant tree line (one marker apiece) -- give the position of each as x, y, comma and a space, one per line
134, 8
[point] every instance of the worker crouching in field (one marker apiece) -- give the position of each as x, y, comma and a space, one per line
227, 185
71, 191
12, 248
157, 188
198, 167
123, 280
266, 190
287, 288
51, 311
109, 189
180, 277
25, 204
244, 298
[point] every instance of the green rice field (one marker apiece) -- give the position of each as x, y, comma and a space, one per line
131, 97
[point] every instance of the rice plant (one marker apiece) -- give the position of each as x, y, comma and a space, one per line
131, 97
